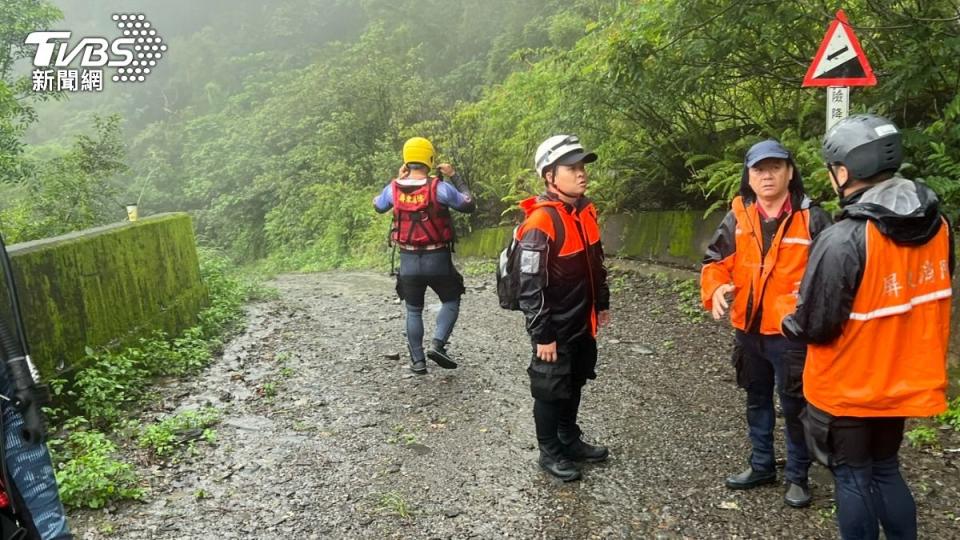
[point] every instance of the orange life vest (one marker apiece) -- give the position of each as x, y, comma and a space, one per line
580, 230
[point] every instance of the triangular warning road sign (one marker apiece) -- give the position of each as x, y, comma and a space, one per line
840, 60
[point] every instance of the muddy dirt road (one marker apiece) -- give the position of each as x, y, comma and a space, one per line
326, 434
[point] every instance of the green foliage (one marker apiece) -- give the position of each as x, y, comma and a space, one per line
672, 93
952, 416
228, 291
402, 436
178, 430
942, 170
107, 384
17, 19
922, 436
393, 503
87, 472
70, 191
688, 295
112, 381
478, 267
278, 153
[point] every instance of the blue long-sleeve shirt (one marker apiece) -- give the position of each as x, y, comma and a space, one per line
447, 195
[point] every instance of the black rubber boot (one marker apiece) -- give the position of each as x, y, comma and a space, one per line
577, 450
797, 496
553, 460
750, 479
570, 433
546, 417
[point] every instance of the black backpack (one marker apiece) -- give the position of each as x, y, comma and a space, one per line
508, 266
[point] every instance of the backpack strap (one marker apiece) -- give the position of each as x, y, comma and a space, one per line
558, 228
559, 233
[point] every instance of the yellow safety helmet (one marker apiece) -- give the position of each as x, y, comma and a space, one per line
418, 150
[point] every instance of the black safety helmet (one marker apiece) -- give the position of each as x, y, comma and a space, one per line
866, 144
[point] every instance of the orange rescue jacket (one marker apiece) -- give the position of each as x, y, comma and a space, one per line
761, 283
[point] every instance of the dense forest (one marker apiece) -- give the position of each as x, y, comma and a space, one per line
273, 124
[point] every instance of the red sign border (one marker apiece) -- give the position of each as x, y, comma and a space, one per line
868, 80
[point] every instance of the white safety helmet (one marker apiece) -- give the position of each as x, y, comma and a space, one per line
561, 150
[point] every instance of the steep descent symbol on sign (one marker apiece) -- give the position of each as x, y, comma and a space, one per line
838, 53
840, 60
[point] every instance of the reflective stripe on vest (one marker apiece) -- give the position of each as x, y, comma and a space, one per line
761, 281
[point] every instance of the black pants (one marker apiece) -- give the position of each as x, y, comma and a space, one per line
557, 388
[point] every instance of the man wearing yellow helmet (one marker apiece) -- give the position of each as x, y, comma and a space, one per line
423, 231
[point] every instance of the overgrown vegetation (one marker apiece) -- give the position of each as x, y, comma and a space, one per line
688, 296
277, 155
87, 470
921, 436
107, 390
180, 430
927, 435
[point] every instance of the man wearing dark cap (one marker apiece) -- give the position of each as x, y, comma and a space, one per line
759, 254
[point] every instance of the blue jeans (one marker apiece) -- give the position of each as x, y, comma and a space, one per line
873, 495
870, 491
768, 362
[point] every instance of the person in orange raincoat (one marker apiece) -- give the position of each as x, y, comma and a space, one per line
759, 253
564, 298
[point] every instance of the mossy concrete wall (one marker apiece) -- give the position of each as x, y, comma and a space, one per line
674, 237
484, 242
955, 330
679, 237
107, 286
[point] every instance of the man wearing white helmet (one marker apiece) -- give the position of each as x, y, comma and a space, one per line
564, 298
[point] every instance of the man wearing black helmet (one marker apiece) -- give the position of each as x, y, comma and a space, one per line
874, 307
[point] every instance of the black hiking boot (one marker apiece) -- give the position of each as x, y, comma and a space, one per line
438, 353
557, 464
581, 451
418, 366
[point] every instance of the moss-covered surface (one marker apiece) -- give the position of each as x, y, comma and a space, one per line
955, 331
669, 236
677, 237
484, 242
107, 286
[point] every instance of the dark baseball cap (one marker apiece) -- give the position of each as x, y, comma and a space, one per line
577, 156
764, 150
